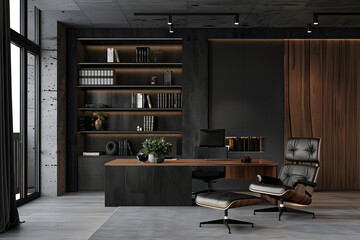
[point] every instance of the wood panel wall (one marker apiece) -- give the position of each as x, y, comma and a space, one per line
322, 99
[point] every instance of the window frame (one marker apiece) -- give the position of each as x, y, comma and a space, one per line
27, 46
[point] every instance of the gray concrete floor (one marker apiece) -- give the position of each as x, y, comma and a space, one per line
71, 216
82, 215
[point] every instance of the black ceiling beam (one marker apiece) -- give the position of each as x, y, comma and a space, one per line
184, 14
338, 13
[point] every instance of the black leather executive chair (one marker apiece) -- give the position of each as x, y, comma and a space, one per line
296, 180
211, 145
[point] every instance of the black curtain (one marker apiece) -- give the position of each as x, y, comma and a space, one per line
9, 216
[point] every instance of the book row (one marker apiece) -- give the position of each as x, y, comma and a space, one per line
149, 122
142, 54
164, 100
96, 81
96, 72
245, 144
169, 100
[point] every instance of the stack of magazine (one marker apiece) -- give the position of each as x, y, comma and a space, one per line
149, 123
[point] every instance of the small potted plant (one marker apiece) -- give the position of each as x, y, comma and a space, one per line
101, 117
156, 148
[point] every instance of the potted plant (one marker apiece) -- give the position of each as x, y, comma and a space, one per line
156, 148
100, 117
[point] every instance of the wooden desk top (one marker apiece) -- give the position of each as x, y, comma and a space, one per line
191, 162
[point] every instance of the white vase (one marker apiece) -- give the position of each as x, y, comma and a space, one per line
152, 158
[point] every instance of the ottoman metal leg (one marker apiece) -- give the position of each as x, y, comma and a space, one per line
226, 221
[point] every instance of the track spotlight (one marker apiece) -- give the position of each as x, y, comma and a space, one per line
170, 20
309, 28
236, 20
316, 20
171, 28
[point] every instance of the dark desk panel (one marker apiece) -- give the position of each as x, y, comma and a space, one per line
129, 183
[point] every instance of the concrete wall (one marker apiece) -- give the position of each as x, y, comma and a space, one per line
52, 97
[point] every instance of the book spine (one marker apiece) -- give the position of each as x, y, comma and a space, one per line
129, 148
158, 100
148, 54
139, 100
144, 125
152, 123
110, 55
117, 56
148, 100
125, 147
137, 55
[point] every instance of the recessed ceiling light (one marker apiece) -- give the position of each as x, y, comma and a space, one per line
316, 20
171, 28
236, 20
309, 28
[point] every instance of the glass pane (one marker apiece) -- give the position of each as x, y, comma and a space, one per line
15, 90
31, 21
15, 15
31, 137
15, 84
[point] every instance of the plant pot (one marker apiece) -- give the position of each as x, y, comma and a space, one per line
159, 159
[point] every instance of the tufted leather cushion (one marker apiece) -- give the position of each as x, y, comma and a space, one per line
290, 174
302, 149
223, 200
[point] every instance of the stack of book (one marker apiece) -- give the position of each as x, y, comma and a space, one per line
149, 123
96, 77
140, 100
169, 100
142, 54
125, 148
92, 154
112, 55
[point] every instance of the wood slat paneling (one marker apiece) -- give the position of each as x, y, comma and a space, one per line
322, 82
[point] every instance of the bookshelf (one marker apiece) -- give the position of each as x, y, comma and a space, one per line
123, 117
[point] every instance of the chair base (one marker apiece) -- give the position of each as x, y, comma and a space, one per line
281, 209
226, 221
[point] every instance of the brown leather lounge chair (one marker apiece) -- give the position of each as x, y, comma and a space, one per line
296, 180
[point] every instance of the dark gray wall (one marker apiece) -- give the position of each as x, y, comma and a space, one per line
195, 84
246, 87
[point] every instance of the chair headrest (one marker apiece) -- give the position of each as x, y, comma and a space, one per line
303, 150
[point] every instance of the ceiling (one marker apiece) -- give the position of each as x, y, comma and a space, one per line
253, 13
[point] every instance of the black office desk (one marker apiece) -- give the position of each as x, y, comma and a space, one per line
129, 183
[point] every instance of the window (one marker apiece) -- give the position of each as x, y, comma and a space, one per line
25, 55
15, 10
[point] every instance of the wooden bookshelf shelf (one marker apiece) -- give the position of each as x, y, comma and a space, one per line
131, 132
133, 109
119, 65
131, 86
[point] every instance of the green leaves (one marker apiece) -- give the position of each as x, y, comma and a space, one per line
100, 115
156, 145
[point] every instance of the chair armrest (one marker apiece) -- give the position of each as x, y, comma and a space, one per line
268, 180
305, 183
